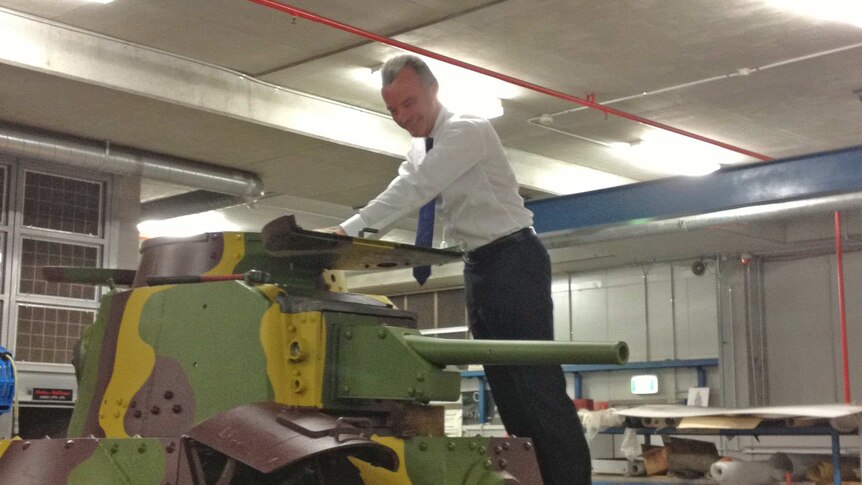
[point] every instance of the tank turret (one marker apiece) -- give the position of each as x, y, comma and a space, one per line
232, 358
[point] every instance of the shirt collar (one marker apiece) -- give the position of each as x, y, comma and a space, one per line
442, 116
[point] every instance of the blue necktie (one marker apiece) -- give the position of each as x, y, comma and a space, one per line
425, 229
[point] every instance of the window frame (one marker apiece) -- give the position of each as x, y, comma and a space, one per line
16, 232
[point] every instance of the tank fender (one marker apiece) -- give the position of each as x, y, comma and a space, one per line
268, 436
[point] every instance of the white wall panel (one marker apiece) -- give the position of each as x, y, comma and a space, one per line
627, 318
802, 329
662, 311
562, 313
695, 313
660, 314
589, 314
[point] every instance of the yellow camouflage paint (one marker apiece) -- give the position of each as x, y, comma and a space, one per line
295, 349
133, 363
4, 444
334, 280
383, 299
382, 476
232, 252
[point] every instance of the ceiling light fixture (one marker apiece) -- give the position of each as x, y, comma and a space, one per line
99, 1
461, 90
847, 11
668, 153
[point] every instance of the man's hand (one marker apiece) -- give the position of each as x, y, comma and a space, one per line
332, 230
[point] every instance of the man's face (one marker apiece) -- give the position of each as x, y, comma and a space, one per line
413, 105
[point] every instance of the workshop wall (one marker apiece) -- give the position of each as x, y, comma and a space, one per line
662, 310
802, 329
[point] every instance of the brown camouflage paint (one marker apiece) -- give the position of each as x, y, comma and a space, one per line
269, 436
165, 404
517, 457
45, 461
107, 355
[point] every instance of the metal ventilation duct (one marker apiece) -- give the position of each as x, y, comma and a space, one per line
105, 157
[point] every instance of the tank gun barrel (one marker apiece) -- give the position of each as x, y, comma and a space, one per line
534, 352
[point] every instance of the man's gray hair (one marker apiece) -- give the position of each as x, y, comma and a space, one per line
396, 64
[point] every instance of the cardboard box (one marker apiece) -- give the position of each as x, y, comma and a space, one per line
655, 460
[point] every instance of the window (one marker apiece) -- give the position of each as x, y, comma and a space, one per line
48, 334
52, 219
35, 254
441, 314
62, 204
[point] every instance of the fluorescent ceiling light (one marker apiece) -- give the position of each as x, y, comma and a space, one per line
669, 153
461, 90
848, 11
185, 226
99, 1
487, 107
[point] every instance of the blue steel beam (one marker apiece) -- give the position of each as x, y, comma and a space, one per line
796, 178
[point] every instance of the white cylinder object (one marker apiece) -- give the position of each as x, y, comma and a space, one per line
742, 472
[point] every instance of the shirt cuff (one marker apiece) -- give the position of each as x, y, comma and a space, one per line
354, 225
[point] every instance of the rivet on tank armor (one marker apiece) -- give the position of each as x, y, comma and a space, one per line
68, 444
502, 463
155, 410
177, 408
169, 395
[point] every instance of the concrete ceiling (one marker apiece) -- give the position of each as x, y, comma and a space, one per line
745, 72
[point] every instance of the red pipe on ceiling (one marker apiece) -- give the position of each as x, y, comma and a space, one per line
298, 12
842, 312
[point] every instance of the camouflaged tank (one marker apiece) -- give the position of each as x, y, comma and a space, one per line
234, 359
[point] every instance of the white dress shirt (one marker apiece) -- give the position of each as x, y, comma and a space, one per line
478, 194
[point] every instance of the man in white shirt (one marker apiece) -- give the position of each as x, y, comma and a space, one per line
507, 272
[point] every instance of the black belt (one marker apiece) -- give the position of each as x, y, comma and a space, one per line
498, 244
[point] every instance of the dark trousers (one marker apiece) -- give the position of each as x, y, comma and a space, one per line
508, 291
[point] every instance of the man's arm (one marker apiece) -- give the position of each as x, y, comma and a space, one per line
455, 152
